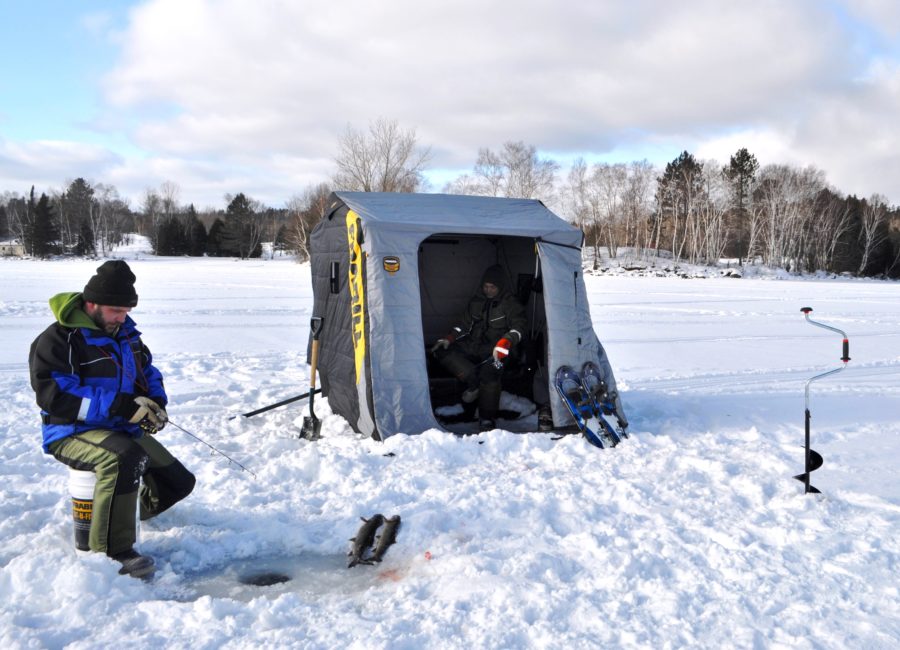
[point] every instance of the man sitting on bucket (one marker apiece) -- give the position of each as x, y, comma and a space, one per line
100, 396
474, 351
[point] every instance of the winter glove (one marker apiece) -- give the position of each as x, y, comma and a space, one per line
441, 343
157, 409
501, 349
143, 411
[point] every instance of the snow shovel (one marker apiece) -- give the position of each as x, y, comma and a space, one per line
311, 424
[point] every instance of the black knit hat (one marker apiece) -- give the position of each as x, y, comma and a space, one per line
494, 275
113, 285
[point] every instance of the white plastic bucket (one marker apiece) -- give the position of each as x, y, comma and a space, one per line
81, 489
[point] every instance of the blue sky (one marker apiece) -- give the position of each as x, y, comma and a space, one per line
53, 54
227, 96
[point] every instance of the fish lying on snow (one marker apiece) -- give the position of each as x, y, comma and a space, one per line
364, 540
387, 537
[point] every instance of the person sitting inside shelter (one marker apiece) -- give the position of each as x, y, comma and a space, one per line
475, 349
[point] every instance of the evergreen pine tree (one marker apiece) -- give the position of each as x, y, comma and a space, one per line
280, 243
235, 236
196, 233
214, 239
740, 174
170, 240
44, 229
84, 244
678, 192
28, 231
79, 206
4, 223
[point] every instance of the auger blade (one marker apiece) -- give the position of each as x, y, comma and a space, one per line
815, 462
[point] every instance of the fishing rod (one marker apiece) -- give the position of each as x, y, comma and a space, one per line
221, 453
497, 363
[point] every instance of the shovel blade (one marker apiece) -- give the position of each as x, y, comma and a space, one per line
312, 426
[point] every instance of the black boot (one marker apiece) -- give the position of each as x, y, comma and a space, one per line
134, 564
545, 419
486, 424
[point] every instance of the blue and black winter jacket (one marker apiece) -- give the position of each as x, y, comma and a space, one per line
77, 371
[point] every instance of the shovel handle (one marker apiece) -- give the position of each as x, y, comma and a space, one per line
315, 326
312, 424
314, 362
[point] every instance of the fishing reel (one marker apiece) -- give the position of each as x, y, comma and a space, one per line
148, 427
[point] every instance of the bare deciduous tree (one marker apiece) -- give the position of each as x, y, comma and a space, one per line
873, 230
384, 159
107, 216
710, 234
787, 205
610, 183
516, 171
305, 211
168, 196
256, 225
612, 204
639, 205
464, 184
575, 200
61, 210
151, 208
15, 207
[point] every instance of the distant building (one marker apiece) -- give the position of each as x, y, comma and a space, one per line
11, 248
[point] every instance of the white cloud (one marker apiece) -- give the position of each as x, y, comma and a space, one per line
852, 135
49, 164
289, 76
881, 16
768, 145
226, 94
857, 132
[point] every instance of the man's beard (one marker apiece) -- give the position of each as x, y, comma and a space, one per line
97, 316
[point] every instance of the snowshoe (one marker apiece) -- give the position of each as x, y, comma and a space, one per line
604, 408
581, 406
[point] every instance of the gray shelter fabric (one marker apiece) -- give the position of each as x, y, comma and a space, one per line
422, 259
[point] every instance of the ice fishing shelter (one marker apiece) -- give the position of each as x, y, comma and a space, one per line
392, 273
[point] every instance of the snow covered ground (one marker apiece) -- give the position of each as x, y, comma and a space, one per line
690, 534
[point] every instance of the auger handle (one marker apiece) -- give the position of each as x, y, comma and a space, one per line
846, 348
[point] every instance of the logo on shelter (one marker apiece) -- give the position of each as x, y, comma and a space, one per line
391, 263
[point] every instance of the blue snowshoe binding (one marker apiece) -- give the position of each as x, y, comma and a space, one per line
581, 405
604, 408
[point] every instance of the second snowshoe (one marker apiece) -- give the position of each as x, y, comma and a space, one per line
604, 408
581, 406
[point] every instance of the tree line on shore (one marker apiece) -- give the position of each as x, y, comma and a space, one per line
697, 211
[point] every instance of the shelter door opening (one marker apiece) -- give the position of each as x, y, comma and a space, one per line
484, 329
